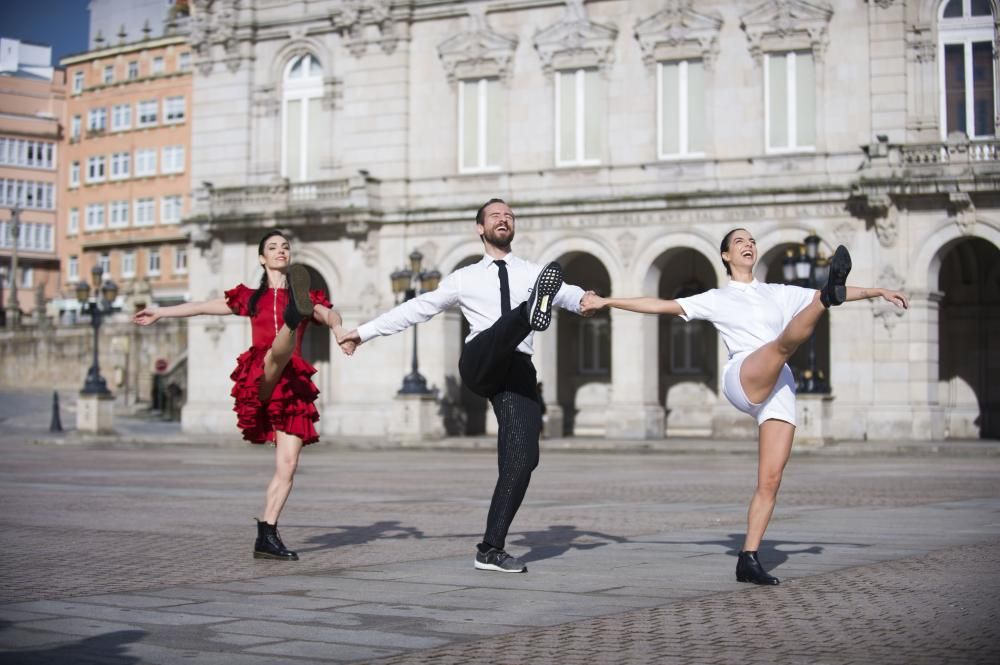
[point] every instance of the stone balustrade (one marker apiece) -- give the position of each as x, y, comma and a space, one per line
359, 192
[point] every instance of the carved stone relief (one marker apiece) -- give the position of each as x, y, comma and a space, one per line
576, 41
214, 24
626, 247
960, 207
352, 18
781, 25
478, 51
877, 210
884, 310
679, 32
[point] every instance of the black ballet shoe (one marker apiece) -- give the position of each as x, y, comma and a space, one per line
835, 291
299, 304
748, 569
269, 545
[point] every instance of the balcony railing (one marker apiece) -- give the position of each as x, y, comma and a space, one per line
964, 152
358, 192
955, 157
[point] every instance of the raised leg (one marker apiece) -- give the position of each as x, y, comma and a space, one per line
275, 361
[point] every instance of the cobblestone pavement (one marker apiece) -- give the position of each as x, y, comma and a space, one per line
142, 555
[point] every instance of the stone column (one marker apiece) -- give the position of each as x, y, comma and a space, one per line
546, 363
634, 412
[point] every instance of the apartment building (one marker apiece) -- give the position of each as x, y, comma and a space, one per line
126, 165
32, 98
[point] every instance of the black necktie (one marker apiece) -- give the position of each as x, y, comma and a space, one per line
504, 287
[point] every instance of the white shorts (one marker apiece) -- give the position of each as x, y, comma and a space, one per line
779, 405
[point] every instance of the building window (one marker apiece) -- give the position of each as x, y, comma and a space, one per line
77, 83
145, 212
121, 117
105, 262
120, 165
73, 223
75, 125
72, 269
173, 159
184, 61
95, 168
27, 277
180, 260
687, 352
119, 214
480, 116
95, 217
157, 65
133, 69
128, 263
170, 209
109, 74
97, 119
153, 262
580, 117
145, 162
147, 113
681, 109
790, 83
301, 118
595, 346
173, 109
74, 175
966, 37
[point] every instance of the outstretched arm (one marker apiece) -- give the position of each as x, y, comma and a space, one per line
897, 298
151, 315
331, 318
593, 303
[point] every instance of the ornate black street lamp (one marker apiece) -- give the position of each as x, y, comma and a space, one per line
808, 268
98, 305
13, 314
406, 285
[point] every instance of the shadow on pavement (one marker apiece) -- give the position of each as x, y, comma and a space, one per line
769, 553
558, 539
359, 535
107, 649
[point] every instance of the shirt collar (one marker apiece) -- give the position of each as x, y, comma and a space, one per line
743, 286
488, 260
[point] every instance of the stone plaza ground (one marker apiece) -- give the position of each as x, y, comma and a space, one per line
120, 553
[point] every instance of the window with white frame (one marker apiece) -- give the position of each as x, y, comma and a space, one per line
170, 209
173, 159
145, 162
73, 222
95, 217
147, 113
97, 119
104, 260
74, 174
133, 69
580, 117
145, 212
118, 217
302, 89
790, 101
76, 125
95, 168
966, 38
173, 109
157, 67
180, 260
120, 163
184, 61
153, 262
121, 117
72, 269
26, 153
109, 74
128, 263
77, 83
480, 118
27, 277
681, 108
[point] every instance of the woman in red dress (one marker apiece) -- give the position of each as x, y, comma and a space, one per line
275, 397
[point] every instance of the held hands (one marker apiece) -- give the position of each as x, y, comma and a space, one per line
591, 303
349, 341
146, 317
897, 298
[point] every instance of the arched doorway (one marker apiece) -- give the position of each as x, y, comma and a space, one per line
687, 351
584, 352
969, 338
316, 341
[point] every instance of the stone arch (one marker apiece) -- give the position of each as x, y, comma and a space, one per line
321, 263
457, 256
648, 269
769, 242
925, 262
292, 50
584, 244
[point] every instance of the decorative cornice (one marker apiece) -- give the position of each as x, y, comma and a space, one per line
679, 32
782, 25
576, 41
213, 24
477, 52
352, 18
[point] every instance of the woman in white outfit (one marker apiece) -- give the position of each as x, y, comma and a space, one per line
762, 325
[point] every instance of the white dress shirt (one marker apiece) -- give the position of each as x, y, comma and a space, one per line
747, 316
476, 289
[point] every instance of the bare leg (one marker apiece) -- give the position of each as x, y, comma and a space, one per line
760, 370
773, 448
286, 459
275, 360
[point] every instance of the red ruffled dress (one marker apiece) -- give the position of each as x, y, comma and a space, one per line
291, 408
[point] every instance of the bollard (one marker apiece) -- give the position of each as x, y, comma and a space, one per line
56, 424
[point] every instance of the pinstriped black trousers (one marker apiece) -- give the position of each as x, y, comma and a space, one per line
492, 367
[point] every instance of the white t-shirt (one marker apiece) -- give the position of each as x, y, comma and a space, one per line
747, 316
476, 289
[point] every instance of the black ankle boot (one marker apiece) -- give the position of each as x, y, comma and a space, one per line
834, 292
748, 569
269, 545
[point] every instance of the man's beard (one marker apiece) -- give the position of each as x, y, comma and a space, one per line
499, 243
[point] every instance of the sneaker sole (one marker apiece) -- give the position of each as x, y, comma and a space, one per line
298, 286
549, 281
490, 566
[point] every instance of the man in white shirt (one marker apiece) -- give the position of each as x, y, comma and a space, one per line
496, 359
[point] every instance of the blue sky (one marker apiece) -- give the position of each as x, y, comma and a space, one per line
62, 24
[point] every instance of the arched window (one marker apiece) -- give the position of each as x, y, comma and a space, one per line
301, 114
966, 38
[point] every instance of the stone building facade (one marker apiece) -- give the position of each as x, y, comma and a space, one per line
629, 137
